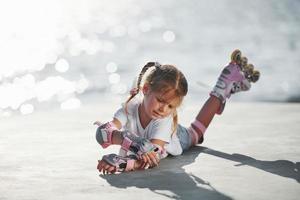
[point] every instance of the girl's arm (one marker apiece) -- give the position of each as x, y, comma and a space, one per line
150, 159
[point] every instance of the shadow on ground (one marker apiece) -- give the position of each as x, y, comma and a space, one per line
171, 180
284, 168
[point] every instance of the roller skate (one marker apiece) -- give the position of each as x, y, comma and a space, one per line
236, 76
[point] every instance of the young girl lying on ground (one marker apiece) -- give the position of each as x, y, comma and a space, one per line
146, 126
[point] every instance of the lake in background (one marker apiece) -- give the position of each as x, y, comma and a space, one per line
65, 54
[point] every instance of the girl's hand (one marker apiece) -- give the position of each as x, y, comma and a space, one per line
105, 168
149, 159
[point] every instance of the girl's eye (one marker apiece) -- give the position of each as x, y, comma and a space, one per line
159, 100
170, 106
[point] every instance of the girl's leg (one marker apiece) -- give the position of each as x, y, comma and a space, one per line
234, 78
196, 130
208, 111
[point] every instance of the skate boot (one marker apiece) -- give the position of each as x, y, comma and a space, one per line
235, 77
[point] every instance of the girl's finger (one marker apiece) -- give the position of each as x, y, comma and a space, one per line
111, 169
153, 159
144, 158
156, 157
106, 166
99, 167
149, 160
143, 165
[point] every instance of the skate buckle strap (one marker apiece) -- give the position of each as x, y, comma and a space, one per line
126, 143
219, 96
111, 127
130, 165
200, 126
104, 134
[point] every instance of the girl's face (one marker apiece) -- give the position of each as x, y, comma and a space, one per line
159, 105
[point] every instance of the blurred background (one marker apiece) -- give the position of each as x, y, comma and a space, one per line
64, 54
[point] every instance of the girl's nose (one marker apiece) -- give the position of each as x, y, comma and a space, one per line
163, 108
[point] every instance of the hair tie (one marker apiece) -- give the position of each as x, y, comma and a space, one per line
134, 91
157, 64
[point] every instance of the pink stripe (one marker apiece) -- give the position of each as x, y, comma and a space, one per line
126, 143
194, 135
130, 165
200, 126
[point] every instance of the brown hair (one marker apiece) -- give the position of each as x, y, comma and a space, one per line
162, 78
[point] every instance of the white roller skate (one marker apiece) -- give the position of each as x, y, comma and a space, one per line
235, 77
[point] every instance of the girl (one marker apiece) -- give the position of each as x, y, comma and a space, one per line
146, 126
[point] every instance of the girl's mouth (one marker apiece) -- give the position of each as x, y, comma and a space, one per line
156, 114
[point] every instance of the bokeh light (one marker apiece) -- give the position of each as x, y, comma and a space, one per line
169, 36
111, 67
114, 78
70, 104
26, 109
53, 51
62, 65
118, 89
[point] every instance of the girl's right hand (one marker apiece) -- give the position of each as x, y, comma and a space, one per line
149, 159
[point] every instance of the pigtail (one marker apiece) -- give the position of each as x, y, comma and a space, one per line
138, 87
175, 122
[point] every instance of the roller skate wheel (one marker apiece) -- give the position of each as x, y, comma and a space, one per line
244, 62
249, 68
255, 76
236, 56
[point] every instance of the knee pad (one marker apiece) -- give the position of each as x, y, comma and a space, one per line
197, 130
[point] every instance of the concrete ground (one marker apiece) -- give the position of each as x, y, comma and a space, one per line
251, 152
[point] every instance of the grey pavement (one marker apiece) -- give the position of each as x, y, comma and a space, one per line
251, 152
